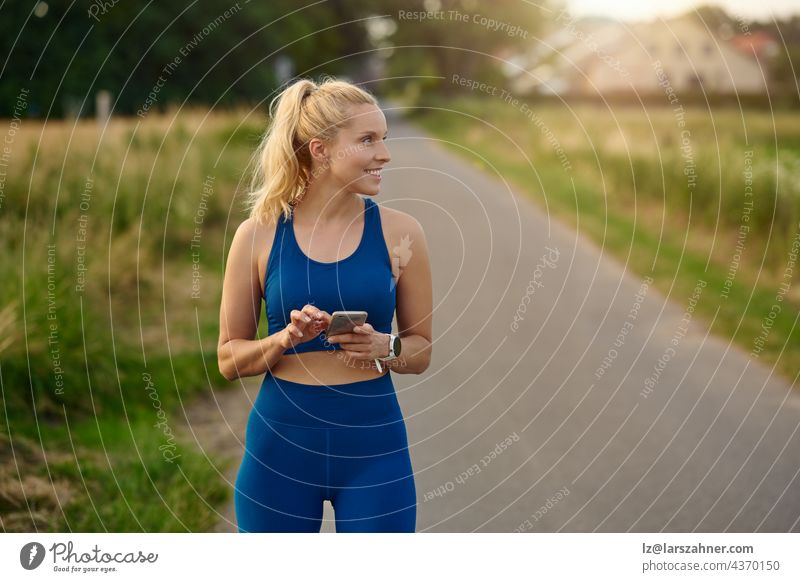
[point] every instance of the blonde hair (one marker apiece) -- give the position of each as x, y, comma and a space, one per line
304, 110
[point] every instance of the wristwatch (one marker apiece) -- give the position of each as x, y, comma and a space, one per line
394, 351
394, 348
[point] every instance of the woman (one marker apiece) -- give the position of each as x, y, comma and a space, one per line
326, 423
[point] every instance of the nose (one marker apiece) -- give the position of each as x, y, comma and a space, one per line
383, 153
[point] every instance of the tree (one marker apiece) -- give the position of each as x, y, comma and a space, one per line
173, 51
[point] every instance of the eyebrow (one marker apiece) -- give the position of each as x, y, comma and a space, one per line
373, 133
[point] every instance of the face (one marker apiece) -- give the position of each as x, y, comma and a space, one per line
358, 147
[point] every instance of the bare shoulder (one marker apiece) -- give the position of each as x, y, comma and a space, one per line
255, 239
397, 224
251, 233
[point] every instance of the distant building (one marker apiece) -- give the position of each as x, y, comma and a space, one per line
759, 43
598, 56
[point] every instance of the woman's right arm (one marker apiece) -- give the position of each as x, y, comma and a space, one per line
238, 353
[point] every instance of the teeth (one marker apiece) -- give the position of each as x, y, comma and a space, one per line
373, 172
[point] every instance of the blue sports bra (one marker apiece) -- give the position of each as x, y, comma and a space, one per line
362, 281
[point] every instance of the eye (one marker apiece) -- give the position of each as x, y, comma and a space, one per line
368, 137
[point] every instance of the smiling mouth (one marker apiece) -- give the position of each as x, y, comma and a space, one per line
376, 173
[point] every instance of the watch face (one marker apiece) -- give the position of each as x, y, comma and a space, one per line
396, 346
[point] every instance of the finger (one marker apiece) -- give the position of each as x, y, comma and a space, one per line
297, 324
316, 315
311, 312
299, 318
342, 337
293, 329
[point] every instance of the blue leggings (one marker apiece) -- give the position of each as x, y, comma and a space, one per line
344, 442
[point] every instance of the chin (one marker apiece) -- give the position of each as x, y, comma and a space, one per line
369, 189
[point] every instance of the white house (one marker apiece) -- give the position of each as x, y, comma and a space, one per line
591, 56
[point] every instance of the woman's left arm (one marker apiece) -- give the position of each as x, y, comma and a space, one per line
414, 299
414, 307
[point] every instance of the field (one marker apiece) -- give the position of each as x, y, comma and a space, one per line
113, 266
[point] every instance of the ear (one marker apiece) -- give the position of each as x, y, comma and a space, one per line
319, 150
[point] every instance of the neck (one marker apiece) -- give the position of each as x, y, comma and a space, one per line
324, 204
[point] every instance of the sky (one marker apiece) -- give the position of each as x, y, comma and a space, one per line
646, 9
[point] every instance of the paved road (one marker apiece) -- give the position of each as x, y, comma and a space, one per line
515, 429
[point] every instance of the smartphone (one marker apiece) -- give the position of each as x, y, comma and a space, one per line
345, 321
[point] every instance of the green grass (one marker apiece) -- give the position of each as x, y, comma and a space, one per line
86, 456
118, 470
130, 486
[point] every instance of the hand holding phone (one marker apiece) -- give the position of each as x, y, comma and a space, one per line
345, 321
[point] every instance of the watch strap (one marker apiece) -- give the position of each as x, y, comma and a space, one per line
391, 355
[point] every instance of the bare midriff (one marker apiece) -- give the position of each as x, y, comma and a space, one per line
324, 368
